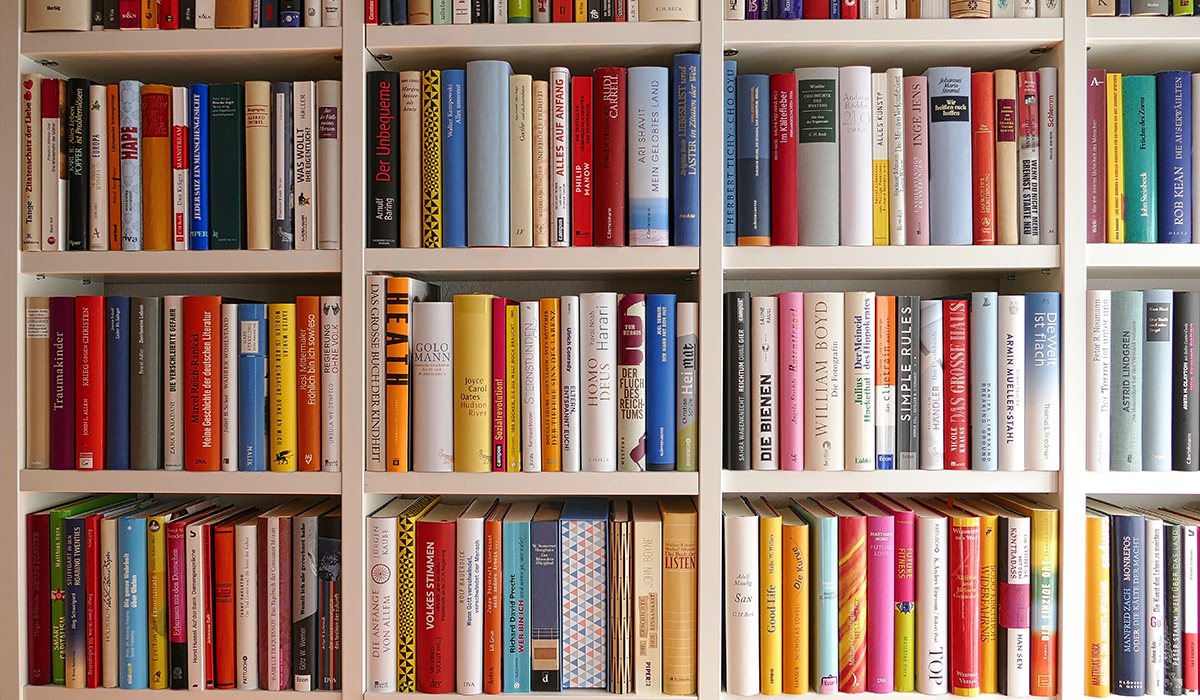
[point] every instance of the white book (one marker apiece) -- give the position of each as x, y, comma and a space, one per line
647, 597
331, 13
854, 149
741, 597
1011, 355
735, 9
181, 174
648, 142
331, 384
375, 373
935, 9
173, 382
1048, 153
468, 639
598, 338
313, 13
1051, 8
1099, 378
560, 156
53, 230
520, 149
631, 382
1154, 615
206, 14
381, 595
631, 11
304, 172
230, 338
245, 539
897, 182
531, 387
500, 12
933, 409
824, 394
31, 162
432, 333
932, 599
97, 169
897, 9
329, 161
305, 602
568, 372
764, 373
1004, 8
461, 12
860, 381
1025, 8
110, 597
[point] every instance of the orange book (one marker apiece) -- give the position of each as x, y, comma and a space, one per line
983, 156
114, 167
308, 383
493, 600
149, 14
157, 173
224, 580
551, 445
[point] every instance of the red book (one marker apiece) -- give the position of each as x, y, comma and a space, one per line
816, 10
564, 11
983, 156
493, 601
619, 7
131, 14
201, 384
1097, 156
308, 380
435, 538
499, 380
89, 382
91, 568
224, 603
784, 196
581, 159
954, 330
370, 16
964, 602
849, 9
37, 584
168, 14
608, 174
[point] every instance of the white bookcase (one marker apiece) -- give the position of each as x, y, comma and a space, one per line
701, 274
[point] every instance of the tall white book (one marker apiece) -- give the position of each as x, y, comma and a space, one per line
897, 182
520, 145
1099, 378
1004, 8
824, 392
1013, 569
331, 384
230, 343
531, 387
432, 373
375, 361
31, 167
172, 382
468, 639
860, 381
933, 580
741, 597
631, 382
304, 134
933, 409
329, 161
110, 602
381, 595
568, 368
1011, 354
97, 169
764, 372
598, 338
181, 174
1154, 612
854, 140
560, 157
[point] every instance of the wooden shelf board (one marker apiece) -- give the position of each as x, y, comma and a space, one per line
533, 484
832, 262
782, 482
1143, 44
121, 265
1141, 483
1161, 260
161, 481
536, 263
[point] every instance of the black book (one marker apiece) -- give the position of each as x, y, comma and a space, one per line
481, 12
97, 14
329, 586
283, 165
1173, 574
268, 13
1185, 417
608, 10
593, 10
187, 14
112, 14
75, 139
383, 162
226, 167
908, 381
737, 370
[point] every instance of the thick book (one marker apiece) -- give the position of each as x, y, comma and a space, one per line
854, 154
582, 161
306, 674
933, 386
570, 435
517, 600
933, 581
908, 381
407, 565
472, 367
329, 162
753, 160
157, 174
583, 527
470, 566
304, 158
790, 381
956, 389
1099, 377
37, 383
260, 167
198, 145
1128, 647
1128, 309
1185, 416
1028, 145
685, 137
729, 142
75, 163
200, 370
824, 384
916, 156
545, 597
549, 332
432, 386
904, 607
949, 155
376, 448
1042, 381
737, 367
531, 388
782, 170
31, 165
282, 439
116, 382
431, 159
274, 597
308, 389
860, 380
823, 617
1097, 137
680, 557
454, 158
381, 542
435, 539
488, 153
610, 157
1007, 181
226, 166
1174, 111
881, 605
130, 96
852, 596
1139, 106
598, 416
648, 202
282, 168
741, 568
62, 382
963, 564
1157, 389
1115, 157
383, 159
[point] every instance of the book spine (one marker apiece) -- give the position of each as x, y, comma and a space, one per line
569, 371
198, 166
1028, 136
329, 159
881, 579
932, 583
933, 400
881, 222
782, 169
201, 363
790, 380
308, 390
1048, 146
134, 652
531, 383
376, 457
742, 605
770, 580
75, 128
581, 160
263, 155
473, 384
454, 159
1185, 417
90, 383
1141, 169
854, 154
1013, 634
516, 666
908, 382
1042, 381
283, 167
51, 224
75, 592
560, 154
660, 381
331, 383
1173, 576
824, 387
174, 384
224, 608
597, 313
1099, 377
157, 176
1011, 352
131, 164
281, 396
1115, 157
177, 592
37, 383
493, 578
753, 160
950, 155
499, 385
229, 387
885, 382
1129, 653
545, 577
488, 209
381, 590
304, 158
551, 399
145, 383
469, 605
180, 169
729, 234
764, 355
983, 371
245, 592
304, 603
252, 387
1154, 606
852, 597
1098, 599
540, 131
157, 601
860, 378
97, 173
1174, 110
1127, 332
1096, 165
897, 165
431, 159
31, 161
432, 387
116, 383
62, 383
957, 382
983, 156
1190, 646
227, 166
685, 166
736, 437
609, 177
916, 155
686, 363
397, 373
964, 587
1156, 377
648, 173
512, 380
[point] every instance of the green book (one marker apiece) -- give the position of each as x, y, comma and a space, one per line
1182, 7
520, 11
226, 167
1141, 161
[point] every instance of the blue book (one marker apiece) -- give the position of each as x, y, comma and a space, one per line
823, 587
516, 640
268, 13
545, 590
1158, 387
133, 621
74, 567
252, 387
289, 13
454, 159
198, 158
835, 9
983, 372
487, 153
685, 156
1174, 89
753, 160
583, 527
116, 384
648, 208
950, 217
787, 9
1128, 598
388, 12
730, 236
1042, 381
1124, 8
660, 382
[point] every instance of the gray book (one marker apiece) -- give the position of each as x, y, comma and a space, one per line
130, 116
1126, 408
145, 383
950, 221
817, 155
984, 368
488, 153
908, 381
1157, 382
1160, 8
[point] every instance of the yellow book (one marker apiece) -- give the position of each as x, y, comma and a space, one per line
581, 11
282, 395
770, 581
473, 383
1116, 160
1097, 628
794, 534
881, 223
989, 603
431, 159
679, 595
512, 380
406, 592
156, 598
551, 444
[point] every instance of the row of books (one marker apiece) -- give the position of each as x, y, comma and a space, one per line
525, 12
890, 9
1140, 626
182, 383
204, 594
594, 382
1140, 8
829, 156
833, 381
1141, 380
491, 597
155, 167
1139, 159
485, 157
884, 593
98, 15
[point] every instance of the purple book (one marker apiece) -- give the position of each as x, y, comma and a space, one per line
791, 381
1097, 141
62, 382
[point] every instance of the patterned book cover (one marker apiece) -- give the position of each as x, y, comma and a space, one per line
431, 159
852, 597
406, 592
584, 530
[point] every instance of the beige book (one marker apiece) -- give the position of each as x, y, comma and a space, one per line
1007, 213
258, 165
420, 12
410, 158
520, 145
686, 11
37, 383
232, 14
647, 598
679, 595
541, 163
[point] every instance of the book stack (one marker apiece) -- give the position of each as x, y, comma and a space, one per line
844, 156
524, 12
1139, 157
889, 594
80, 16
1141, 380
857, 381
595, 382
197, 383
499, 597
1140, 8
185, 594
890, 9
155, 167
484, 157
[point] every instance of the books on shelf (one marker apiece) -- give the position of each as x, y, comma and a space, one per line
78, 16
1139, 8
204, 594
889, 9
397, 12
203, 167
486, 157
183, 382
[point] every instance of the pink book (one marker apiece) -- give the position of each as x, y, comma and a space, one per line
1097, 156
499, 390
904, 589
881, 585
791, 381
916, 154
177, 597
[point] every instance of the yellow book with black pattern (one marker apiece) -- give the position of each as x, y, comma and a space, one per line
551, 401
406, 592
431, 159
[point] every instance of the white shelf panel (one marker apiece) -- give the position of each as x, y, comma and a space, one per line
1141, 483
118, 264
536, 484
1143, 44
831, 262
161, 481
536, 263
58, 692
1161, 260
889, 482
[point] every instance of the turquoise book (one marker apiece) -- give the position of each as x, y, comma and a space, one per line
517, 657
1141, 158
823, 587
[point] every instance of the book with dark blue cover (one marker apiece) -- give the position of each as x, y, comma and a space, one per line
1174, 90
289, 13
950, 207
252, 387
1124, 8
787, 9
545, 591
1042, 370
116, 383
198, 163
393, 12
1128, 595
515, 592
1157, 385
753, 159
454, 159
268, 13
685, 154
133, 620
835, 9
730, 236
75, 578
660, 382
